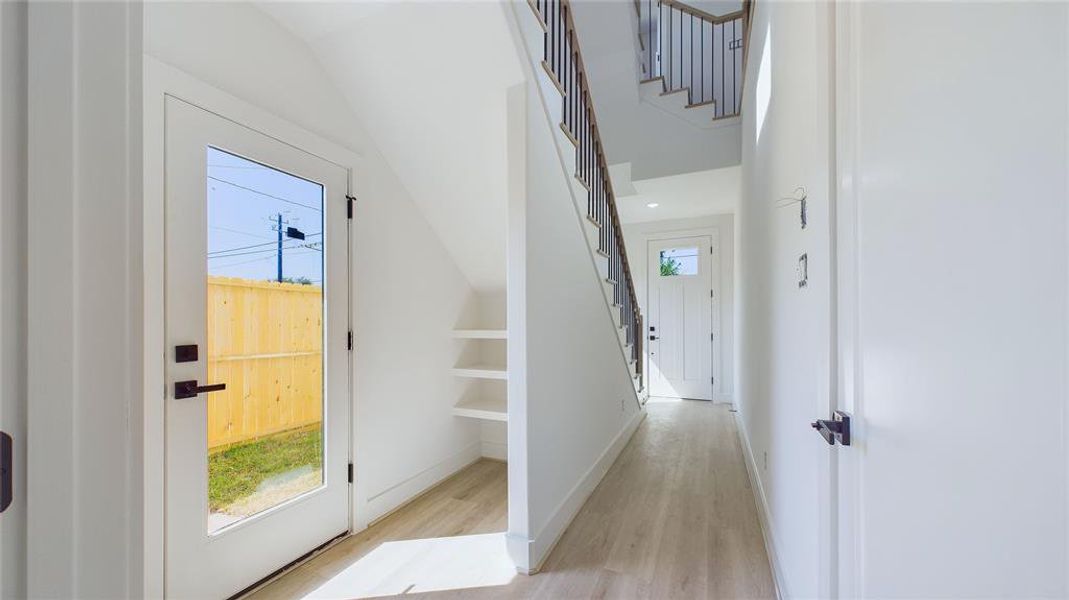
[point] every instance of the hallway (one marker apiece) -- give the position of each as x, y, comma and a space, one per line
673, 518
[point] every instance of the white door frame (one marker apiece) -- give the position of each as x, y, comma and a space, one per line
162, 80
714, 302
844, 475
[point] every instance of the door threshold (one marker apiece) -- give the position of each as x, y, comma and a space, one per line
297, 562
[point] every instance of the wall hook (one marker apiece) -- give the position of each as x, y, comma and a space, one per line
799, 196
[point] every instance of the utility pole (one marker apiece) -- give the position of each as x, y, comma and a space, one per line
280, 234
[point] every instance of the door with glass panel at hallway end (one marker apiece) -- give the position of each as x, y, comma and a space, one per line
257, 399
680, 320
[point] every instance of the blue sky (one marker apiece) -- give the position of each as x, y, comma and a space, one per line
244, 201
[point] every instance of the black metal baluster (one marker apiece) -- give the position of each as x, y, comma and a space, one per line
649, 40
734, 77
723, 90
690, 66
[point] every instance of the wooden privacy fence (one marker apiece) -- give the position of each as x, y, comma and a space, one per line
265, 340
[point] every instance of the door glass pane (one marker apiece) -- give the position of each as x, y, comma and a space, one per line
679, 261
264, 337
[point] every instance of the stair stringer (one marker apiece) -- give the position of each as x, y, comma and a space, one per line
551, 101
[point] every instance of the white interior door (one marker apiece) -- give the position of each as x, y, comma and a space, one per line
256, 300
952, 308
679, 324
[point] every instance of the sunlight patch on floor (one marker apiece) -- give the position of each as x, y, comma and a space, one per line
427, 565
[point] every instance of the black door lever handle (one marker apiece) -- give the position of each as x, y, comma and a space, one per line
653, 338
189, 389
836, 429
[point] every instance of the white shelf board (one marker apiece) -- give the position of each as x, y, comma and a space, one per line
480, 334
481, 372
490, 409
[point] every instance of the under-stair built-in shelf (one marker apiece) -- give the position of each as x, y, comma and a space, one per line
488, 408
480, 334
481, 372
482, 360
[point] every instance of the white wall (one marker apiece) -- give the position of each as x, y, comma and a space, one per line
406, 437
434, 76
722, 228
782, 379
13, 286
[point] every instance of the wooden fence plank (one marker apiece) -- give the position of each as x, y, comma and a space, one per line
265, 340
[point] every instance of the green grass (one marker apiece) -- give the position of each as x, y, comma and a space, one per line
236, 472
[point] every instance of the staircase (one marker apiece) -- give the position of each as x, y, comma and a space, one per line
550, 37
691, 61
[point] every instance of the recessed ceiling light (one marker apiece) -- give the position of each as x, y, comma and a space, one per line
653, 205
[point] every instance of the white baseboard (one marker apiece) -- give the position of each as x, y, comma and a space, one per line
763, 513
723, 399
495, 450
388, 500
544, 541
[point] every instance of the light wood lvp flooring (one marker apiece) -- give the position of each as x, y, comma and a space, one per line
673, 518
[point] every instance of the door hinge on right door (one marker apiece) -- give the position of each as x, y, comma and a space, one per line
350, 472
349, 201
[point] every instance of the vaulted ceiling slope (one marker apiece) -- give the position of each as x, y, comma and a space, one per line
656, 143
428, 80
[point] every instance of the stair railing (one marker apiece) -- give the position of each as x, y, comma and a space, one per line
690, 49
564, 64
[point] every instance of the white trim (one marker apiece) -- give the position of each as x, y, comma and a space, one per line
389, 499
495, 450
161, 80
763, 512
849, 533
543, 542
84, 273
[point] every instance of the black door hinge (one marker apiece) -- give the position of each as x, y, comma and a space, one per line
350, 472
7, 471
350, 339
350, 200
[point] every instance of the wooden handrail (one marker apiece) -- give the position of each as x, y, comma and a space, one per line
701, 14
563, 61
581, 73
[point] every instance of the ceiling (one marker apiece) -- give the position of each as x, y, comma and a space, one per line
698, 194
657, 144
428, 81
